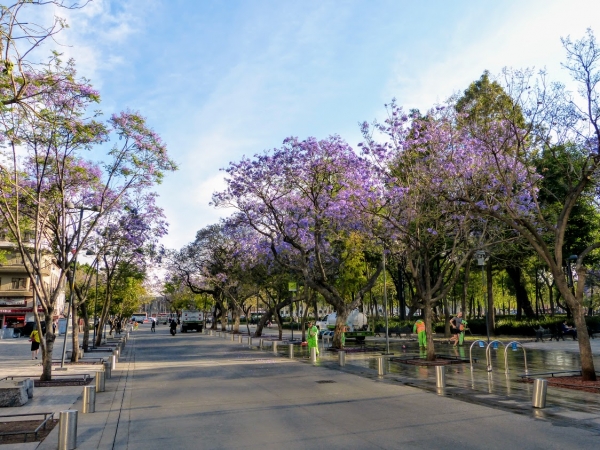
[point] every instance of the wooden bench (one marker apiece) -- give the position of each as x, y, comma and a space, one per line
592, 330
556, 333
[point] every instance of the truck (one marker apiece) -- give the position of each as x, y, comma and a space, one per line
357, 323
191, 320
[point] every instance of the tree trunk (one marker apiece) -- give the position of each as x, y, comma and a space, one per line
75, 335
340, 323
427, 312
523, 302
86, 327
47, 346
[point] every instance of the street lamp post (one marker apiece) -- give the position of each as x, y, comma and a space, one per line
97, 262
385, 311
480, 255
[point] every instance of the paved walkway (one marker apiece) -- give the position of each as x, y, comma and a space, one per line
194, 391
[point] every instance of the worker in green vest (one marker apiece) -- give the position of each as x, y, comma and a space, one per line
313, 337
419, 328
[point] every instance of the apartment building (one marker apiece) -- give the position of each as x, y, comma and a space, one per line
16, 290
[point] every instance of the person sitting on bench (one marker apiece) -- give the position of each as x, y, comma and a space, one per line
566, 329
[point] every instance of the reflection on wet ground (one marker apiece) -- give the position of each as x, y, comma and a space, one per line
496, 388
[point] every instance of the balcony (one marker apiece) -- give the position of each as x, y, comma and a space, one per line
15, 265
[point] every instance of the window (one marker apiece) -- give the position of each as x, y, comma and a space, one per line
19, 283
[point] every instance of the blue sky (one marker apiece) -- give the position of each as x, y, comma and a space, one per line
223, 79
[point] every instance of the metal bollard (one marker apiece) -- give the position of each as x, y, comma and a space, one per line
381, 366
89, 399
261, 344
107, 371
540, 387
313, 355
440, 376
67, 430
275, 347
291, 351
100, 382
116, 353
113, 363
249, 340
342, 358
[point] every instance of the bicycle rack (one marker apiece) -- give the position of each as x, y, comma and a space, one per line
488, 353
514, 345
481, 345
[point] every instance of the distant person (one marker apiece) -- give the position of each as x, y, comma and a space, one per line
118, 327
566, 329
313, 337
34, 337
419, 328
456, 328
153, 327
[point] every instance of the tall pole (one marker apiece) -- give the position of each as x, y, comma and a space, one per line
487, 310
96, 304
387, 334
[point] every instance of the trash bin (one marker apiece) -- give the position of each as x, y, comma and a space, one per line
540, 387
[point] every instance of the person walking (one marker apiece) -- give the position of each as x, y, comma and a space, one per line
34, 337
313, 337
419, 328
153, 326
456, 328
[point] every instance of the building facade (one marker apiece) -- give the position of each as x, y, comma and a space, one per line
16, 290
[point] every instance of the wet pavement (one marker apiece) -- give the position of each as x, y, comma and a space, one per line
507, 391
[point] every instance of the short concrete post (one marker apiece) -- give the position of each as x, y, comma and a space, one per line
113, 363
232, 337
342, 358
89, 399
67, 430
313, 355
240, 339
440, 376
540, 388
274, 347
100, 382
261, 344
249, 341
107, 371
291, 351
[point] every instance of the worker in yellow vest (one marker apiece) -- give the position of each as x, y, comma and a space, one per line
419, 328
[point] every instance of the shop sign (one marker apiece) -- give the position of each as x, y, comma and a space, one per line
14, 311
8, 301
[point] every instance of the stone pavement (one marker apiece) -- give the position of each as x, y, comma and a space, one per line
194, 390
